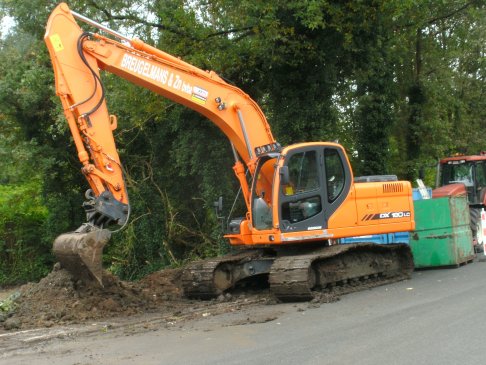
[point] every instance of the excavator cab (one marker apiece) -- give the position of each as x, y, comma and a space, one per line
305, 183
313, 180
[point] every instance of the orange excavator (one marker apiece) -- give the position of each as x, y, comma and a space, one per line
300, 198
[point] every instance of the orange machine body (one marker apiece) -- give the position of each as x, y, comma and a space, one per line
368, 208
339, 207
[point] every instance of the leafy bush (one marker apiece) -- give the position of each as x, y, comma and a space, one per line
22, 255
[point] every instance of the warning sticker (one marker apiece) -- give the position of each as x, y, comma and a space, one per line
56, 42
199, 95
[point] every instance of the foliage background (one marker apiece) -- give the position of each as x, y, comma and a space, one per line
399, 83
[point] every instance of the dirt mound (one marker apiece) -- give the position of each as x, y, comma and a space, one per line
162, 285
58, 299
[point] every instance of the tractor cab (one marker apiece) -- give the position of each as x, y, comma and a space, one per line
470, 171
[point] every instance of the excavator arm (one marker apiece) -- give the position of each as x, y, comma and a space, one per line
77, 57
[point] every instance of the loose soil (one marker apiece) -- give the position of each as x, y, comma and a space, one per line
59, 300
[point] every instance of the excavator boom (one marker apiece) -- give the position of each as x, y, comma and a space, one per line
77, 57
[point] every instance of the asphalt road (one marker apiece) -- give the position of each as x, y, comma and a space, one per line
437, 317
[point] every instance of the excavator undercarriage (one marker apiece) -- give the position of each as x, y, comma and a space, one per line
296, 274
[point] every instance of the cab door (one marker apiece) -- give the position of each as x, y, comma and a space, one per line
317, 180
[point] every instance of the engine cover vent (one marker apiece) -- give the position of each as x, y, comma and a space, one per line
392, 188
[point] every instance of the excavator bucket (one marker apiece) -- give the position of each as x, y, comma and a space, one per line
81, 253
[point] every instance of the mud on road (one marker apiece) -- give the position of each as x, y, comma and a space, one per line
59, 308
59, 300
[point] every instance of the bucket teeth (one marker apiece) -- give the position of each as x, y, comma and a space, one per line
82, 253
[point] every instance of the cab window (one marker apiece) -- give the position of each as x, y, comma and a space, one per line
457, 173
302, 191
334, 174
262, 195
481, 174
303, 173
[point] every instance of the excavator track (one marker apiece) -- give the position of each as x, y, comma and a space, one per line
339, 269
206, 279
297, 276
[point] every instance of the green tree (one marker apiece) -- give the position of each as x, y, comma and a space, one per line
438, 42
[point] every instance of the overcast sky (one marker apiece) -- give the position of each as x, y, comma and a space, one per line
5, 24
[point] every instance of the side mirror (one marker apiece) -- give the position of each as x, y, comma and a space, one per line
284, 175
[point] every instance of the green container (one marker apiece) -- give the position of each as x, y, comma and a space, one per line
442, 235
